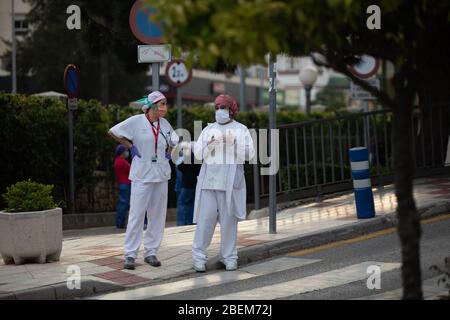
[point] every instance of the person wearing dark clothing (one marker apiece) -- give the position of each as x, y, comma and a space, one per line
186, 194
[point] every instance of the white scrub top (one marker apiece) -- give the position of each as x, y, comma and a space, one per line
139, 131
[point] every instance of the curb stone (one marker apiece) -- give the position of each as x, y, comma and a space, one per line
60, 291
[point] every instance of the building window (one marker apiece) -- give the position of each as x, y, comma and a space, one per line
21, 24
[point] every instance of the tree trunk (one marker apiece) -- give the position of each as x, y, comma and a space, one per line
409, 221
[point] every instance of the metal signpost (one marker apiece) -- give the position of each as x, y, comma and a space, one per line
272, 126
178, 75
365, 69
359, 93
360, 157
151, 33
72, 86
242, 99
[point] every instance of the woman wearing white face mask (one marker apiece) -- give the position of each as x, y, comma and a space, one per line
221, 193
152, 139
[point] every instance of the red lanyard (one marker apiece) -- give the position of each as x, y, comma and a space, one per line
156, 135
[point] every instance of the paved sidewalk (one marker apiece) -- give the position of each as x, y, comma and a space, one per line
99, 255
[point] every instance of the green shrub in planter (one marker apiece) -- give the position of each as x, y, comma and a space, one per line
29, 196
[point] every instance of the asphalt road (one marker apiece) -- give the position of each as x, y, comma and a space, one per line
336, 271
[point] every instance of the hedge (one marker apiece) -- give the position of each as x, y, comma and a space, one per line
34, 140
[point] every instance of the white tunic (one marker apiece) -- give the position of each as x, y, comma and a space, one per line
241, 151
216, 177
217, 170
138, 129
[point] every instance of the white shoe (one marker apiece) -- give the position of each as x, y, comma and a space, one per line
199, 267
231, 266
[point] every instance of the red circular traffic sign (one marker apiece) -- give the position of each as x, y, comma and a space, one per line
177, 73
71, 81
143, 28
366, 68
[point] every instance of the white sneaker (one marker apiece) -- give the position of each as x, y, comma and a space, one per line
231, 266
199, 267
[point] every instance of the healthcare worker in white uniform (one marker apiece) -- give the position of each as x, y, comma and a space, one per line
150, 139
220, 196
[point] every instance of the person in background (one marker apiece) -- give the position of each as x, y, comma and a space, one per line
177, 189
189, 172
122, 170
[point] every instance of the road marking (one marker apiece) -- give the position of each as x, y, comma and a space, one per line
361, 238
436, 219
334, 278
275, 265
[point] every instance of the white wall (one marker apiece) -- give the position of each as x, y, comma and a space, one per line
20, 8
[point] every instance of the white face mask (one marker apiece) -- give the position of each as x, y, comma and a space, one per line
126, 154
222, 116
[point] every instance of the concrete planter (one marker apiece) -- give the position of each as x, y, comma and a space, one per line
31, 236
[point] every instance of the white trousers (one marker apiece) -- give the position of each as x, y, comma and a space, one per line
150, 198
213, 209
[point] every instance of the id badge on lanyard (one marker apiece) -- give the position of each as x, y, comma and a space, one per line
156, 135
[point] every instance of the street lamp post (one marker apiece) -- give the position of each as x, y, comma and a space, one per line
308, 77
308, 98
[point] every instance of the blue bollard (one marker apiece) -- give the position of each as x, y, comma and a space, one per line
365, 207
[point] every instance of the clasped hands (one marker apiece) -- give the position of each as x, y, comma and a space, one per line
228, 139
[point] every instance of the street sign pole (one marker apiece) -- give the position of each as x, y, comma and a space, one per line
71, 163
242, 88
366, 125
71, 85
149, 32
179, 114
72, 105
360, 94
272, 126
155, 76
154, 54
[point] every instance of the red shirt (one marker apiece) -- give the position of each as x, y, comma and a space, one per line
122, 170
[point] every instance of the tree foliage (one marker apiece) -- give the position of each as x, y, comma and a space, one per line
243, 32
104, 50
